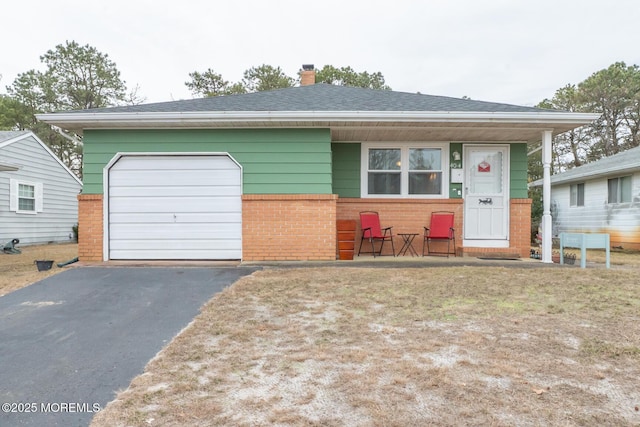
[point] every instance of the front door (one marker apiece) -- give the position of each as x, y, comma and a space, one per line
486, 195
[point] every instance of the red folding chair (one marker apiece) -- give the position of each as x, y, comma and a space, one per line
440, 230
371, 231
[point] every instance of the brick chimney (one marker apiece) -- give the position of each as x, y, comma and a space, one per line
307, 75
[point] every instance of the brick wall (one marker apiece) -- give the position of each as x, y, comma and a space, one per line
289, 227
411, 215
520, 226
404, 215
90, 227
303, 227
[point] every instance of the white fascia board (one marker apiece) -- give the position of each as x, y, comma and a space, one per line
148, 118
16, 138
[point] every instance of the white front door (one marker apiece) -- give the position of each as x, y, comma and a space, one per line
486, 195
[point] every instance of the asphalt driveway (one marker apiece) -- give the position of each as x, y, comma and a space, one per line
71, 341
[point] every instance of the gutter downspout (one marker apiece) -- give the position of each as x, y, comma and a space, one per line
546, 197
69, 137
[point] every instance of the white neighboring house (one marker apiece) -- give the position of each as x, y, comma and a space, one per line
600, 197
38, 193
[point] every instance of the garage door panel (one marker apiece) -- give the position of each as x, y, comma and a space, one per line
153, 178
175, 207
175, 204
173, 245
175, 191
167, 218
172, 254
150, 232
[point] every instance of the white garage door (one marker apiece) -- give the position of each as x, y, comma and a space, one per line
175, 207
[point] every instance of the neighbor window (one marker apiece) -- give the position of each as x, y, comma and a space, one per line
619, 189
407, 170
577, 195
26, 197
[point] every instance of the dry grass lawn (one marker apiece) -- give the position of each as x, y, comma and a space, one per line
401, 347
19, 270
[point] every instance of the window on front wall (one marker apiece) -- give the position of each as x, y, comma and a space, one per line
384, 173
404, 170
619, 189
425, 171
577, 195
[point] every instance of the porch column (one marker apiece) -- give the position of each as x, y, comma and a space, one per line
546, 197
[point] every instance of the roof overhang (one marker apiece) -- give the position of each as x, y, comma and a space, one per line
7, 167
587, 175
344, 125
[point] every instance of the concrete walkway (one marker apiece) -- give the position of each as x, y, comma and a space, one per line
408, 262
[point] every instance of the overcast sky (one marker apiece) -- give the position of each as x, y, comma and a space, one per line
511, 51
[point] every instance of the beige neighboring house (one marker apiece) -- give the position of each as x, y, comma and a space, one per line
600, 197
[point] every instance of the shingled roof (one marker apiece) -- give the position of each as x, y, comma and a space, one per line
352, 114
625, 162
10, 134
321, 97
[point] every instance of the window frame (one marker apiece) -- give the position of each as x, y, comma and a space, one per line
404, 148
618, 195
576, 203
14, 196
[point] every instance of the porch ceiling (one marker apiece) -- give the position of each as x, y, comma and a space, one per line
442, 132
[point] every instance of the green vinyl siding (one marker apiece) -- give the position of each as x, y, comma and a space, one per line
518, 171
274, 161
346, 169
455, 189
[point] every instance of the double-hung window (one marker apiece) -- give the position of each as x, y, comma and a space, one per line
619, 189
25, 197
404, 170
384, 171
576, 195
